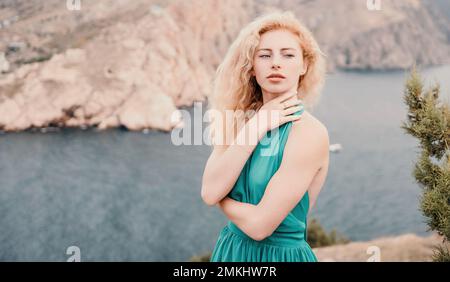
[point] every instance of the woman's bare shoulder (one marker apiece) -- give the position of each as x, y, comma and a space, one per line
309, 124
308, 141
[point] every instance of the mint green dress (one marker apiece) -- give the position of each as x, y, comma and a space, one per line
288, 242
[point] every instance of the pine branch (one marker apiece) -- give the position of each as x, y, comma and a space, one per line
428, 120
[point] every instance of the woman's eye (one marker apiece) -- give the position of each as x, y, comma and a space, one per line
266, 56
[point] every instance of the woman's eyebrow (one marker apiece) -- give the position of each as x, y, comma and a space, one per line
268, 49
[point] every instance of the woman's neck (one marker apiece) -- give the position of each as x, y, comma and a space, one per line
267, 96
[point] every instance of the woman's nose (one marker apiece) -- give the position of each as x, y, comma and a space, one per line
275, 62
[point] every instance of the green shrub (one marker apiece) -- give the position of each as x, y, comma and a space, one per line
318, 237
428, 120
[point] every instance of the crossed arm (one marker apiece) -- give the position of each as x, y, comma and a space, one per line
306, 152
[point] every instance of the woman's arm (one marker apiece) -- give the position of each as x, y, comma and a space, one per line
226, 163
244, 215
306, 151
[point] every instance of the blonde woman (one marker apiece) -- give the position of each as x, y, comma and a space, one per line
270, 159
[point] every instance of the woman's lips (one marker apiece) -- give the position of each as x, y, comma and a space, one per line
275, 79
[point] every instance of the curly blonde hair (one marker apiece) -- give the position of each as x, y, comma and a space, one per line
236, 90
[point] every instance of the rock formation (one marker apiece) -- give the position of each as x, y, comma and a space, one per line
132, 64
401, 248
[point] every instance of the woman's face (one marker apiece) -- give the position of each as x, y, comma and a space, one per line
278, 52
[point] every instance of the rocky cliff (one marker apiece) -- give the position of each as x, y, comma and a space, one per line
133, 63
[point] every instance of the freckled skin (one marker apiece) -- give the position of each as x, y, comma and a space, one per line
288, 62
